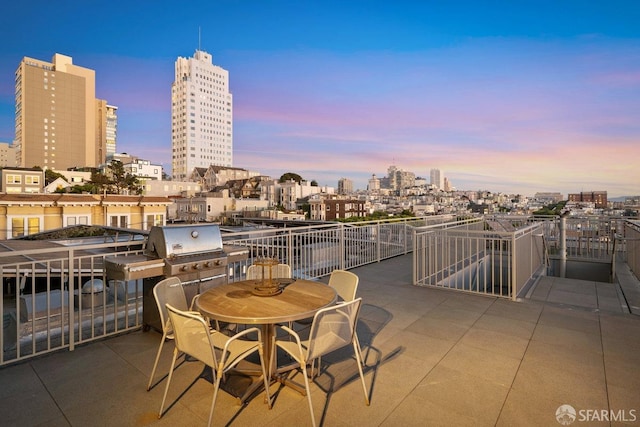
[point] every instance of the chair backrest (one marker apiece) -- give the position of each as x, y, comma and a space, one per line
192, 336
333, 328
280, 271
345, 283
169, 291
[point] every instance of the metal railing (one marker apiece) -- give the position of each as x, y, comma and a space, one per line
631, 239
316, 251
57, 298
470, 256
46, 303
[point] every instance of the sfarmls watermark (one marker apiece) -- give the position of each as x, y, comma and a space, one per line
567, 414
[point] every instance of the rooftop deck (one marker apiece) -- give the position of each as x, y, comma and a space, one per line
434, 357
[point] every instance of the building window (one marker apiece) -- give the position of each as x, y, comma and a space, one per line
19, 225
14, 179
118, 221
155, 220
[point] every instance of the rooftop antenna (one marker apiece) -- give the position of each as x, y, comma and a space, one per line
199, 38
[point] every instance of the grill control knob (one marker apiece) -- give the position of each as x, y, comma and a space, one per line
196, 266
207, 264
217, 262
183, 268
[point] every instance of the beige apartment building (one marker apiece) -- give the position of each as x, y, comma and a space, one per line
7, 155
59, 122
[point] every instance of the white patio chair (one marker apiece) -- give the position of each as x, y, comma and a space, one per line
222, 353
167, 291
332, 328
345, 283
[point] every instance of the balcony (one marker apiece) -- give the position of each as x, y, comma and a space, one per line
434, 356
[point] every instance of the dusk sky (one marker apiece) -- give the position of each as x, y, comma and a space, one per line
506, 96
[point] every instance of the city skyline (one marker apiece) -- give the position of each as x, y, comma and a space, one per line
522, 97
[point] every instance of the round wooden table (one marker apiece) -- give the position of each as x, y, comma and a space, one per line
237, 303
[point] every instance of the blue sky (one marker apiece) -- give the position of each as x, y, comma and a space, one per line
507, 96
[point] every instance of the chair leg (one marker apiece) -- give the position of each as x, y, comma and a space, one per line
355, 335
359, 362
303, 364
166, 389
155, 364
216, 387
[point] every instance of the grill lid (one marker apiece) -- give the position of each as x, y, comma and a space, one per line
179, 240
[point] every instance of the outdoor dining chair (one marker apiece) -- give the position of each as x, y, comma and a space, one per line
332, 328
345, 283
193, 337
167, 291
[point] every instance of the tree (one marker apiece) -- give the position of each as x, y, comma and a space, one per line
50, 176
116, 181
122, 180
290, 176
98, 183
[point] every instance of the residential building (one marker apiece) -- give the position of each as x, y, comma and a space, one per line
201, 115
374, 184
447, 184
171, 188
214, 206
75, 177
345, 186
105, 130
599, 198
112, 131
291, 191
548, 197
24, 214
143, 169
330, 208
71, 179
216, 176
22, 180
7, 155
404, 179
56, 122
437, 179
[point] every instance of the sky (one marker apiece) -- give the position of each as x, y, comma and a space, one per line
506, 96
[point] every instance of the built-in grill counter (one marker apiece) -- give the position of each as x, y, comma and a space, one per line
194, 253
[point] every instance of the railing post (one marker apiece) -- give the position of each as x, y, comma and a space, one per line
378, 249
71, 286
290, 248
514, 269
414, 274
342, 247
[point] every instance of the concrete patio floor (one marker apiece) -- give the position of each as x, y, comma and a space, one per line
434, 357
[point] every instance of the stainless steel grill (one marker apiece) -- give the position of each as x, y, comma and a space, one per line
194, 253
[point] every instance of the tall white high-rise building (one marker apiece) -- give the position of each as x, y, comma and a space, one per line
437, 178
201, 116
